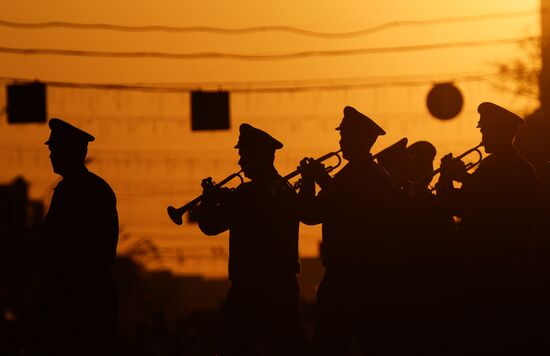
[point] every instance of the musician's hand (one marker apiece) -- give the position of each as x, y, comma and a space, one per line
314, 171
311, 169
211, 193
208, 185
453, 169
305, 171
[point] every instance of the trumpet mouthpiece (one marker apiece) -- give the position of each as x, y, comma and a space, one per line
174, 215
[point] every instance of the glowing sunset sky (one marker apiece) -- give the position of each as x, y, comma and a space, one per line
144, 146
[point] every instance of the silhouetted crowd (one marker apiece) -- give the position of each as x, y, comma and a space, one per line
458, 268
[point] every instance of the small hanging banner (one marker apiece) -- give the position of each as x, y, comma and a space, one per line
26, 103
210, 110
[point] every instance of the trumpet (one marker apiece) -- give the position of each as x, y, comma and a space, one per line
176, 214
328, 169
469, 165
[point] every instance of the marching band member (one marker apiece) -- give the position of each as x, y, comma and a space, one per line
260, 315
495, 205
355, 208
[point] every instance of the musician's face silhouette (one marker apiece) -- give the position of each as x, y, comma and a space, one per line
494, 137
65, 158
255, 162
355, 146
56, 159
486, 138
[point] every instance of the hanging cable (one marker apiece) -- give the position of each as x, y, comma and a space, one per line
273, 86
261, 57
265, 29
276, 83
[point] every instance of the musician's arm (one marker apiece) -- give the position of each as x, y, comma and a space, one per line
213, 212
451, 199
310, 206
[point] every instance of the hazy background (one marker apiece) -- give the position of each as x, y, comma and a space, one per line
144, 144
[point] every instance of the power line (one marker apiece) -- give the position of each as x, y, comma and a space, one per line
264, 29
286, 82
274, 86
260, 57
298, 86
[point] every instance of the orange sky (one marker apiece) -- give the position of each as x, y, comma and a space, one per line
144, 145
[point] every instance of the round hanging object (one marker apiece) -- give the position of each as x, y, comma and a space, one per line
444, 101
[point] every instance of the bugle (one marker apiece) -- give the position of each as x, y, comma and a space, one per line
320, 159
328, 169
468, 166
176, 214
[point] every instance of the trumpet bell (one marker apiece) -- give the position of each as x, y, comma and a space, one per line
174, 215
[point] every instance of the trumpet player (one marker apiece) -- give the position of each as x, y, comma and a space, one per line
260, 315
355, 208
495, 205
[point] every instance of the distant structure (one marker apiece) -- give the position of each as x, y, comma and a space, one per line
544, 82
18, 216
533, 139
13, 209
20, 220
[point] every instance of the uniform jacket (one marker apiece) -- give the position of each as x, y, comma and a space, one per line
263, 229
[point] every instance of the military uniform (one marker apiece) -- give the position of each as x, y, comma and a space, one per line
420, 251
260, 315
356, 210
78, 314
397, 162
495, 205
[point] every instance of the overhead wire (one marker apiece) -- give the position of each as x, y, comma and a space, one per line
264, 29
260, 57
283, 82
269, 87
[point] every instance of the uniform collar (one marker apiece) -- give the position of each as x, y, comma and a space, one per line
367, 161
76, 174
